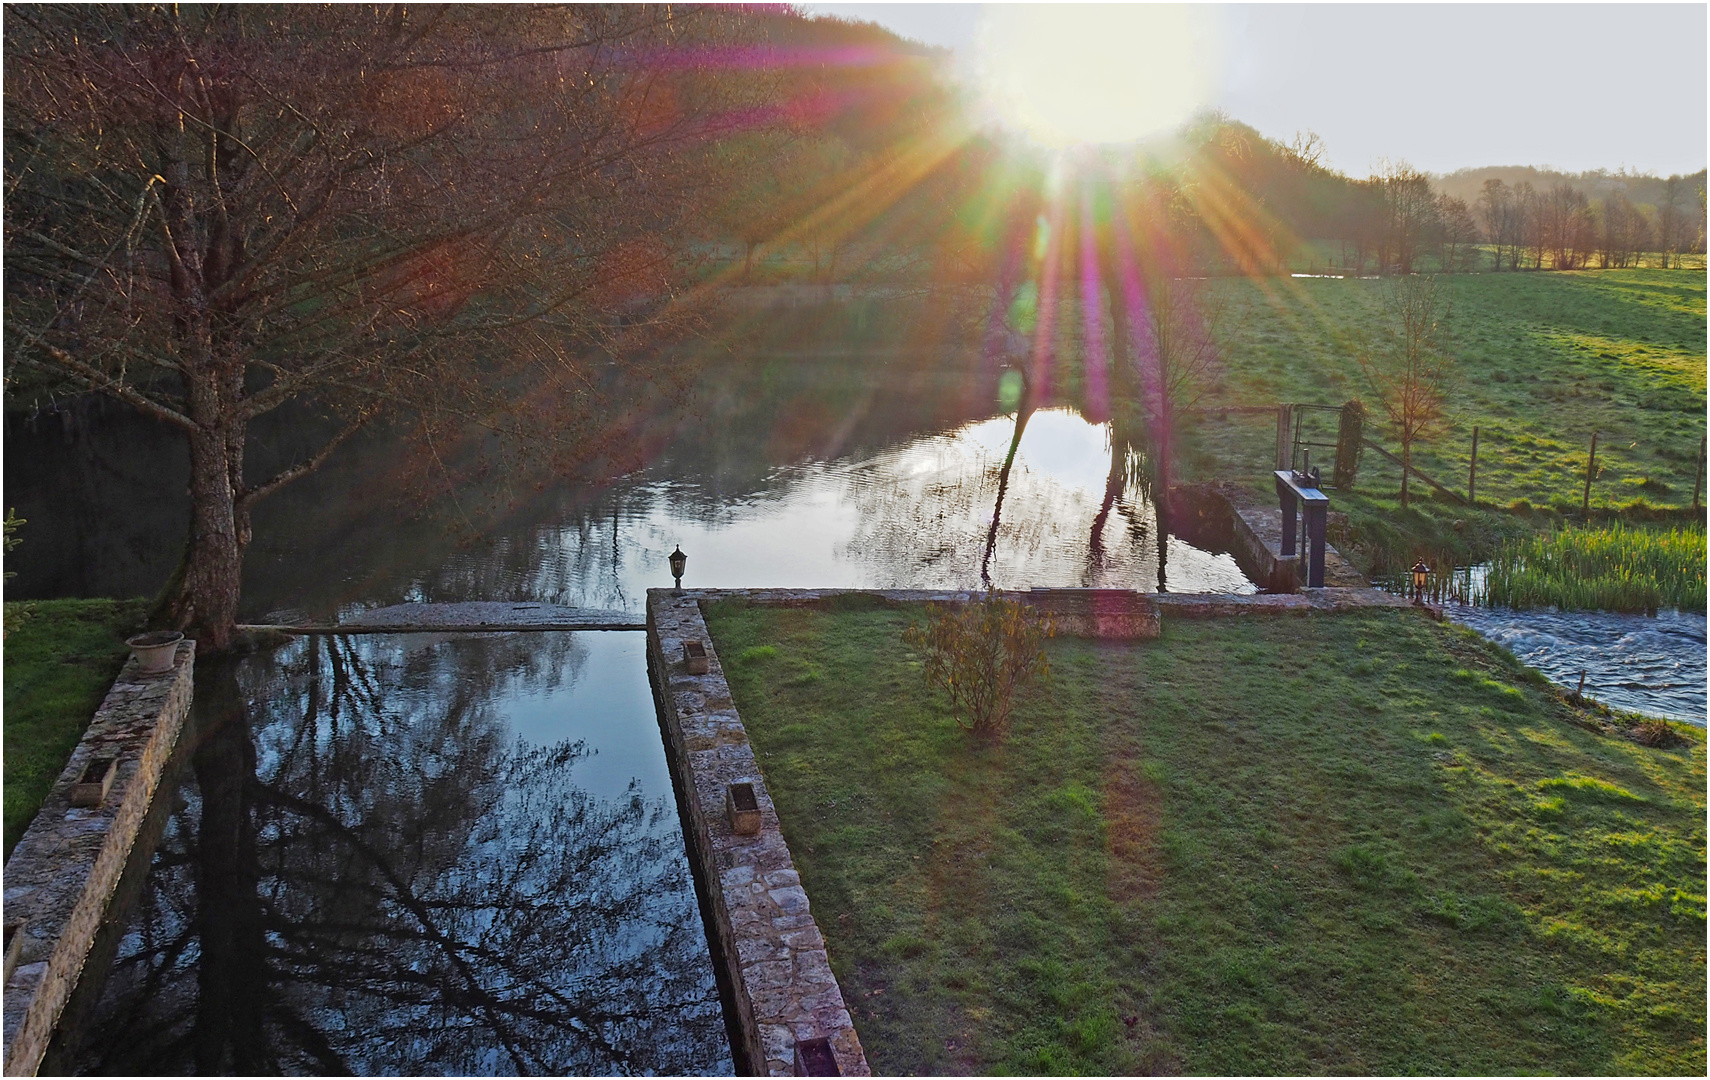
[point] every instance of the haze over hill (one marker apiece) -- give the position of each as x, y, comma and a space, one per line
1447, 87
1596, 184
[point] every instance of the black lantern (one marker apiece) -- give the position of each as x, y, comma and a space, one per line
1419, 572
678, 560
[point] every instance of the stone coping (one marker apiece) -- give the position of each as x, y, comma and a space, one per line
471, 616
67, 864
769, 953
1337, 600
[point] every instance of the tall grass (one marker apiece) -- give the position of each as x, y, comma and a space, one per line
1600, 569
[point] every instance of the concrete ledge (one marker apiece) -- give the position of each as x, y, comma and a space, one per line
67, 864
1107, 614
769, 953
1104, 613
465, 617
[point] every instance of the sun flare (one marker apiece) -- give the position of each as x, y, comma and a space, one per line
1095, 73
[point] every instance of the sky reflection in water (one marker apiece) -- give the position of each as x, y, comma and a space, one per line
914, 515
419, 854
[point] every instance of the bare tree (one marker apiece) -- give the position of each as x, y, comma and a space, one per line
1496, 211
1458, 233
1408, 363
1669, 220
1410, 213
1177, 358
436, 214
1530, 232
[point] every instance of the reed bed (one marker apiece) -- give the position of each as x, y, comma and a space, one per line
1608, 568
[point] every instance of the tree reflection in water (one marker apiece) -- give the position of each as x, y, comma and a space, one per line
368, 874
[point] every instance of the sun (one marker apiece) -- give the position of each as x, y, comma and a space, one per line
1066, 74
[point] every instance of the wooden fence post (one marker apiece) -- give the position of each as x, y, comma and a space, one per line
1698, 474
1285, 437
1590, 471
1472, 470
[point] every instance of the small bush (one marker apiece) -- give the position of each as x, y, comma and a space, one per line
980, 654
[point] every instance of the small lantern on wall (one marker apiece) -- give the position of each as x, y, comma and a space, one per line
678, 561
1420, 571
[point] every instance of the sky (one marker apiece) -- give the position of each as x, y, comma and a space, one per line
1442, 86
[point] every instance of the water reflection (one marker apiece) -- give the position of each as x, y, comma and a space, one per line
418, 855
874, 471
923, 514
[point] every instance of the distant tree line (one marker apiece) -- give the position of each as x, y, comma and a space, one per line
1527, 227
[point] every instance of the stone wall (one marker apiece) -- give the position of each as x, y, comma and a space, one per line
772, 959
1258, 551
67, 864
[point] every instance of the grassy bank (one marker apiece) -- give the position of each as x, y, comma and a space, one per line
1361, 844
60, 658
1545, 361
1601, 569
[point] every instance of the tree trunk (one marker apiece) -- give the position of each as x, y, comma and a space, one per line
1406, 467
205, 606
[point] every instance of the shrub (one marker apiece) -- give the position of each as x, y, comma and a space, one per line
979, 654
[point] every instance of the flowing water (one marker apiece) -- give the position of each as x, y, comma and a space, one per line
1647, 664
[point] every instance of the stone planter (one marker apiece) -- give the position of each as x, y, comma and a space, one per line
814, 1058
695, 656
94, 782
743, 809
155, 651
14, 946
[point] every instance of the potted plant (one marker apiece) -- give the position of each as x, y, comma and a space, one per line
155, 651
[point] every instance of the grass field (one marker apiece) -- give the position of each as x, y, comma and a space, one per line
1546, 359
1364, 844
60, 658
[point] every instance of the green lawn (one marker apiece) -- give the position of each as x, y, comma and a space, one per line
1365, 844
60, 659
1546, 359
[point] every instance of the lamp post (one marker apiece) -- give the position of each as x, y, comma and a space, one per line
678, 560
1420, 570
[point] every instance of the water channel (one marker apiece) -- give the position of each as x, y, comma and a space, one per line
431, 854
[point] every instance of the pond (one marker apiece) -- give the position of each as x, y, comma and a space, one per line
426, 854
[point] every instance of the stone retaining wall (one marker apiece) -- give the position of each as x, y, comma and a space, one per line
62, 874
770, 954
